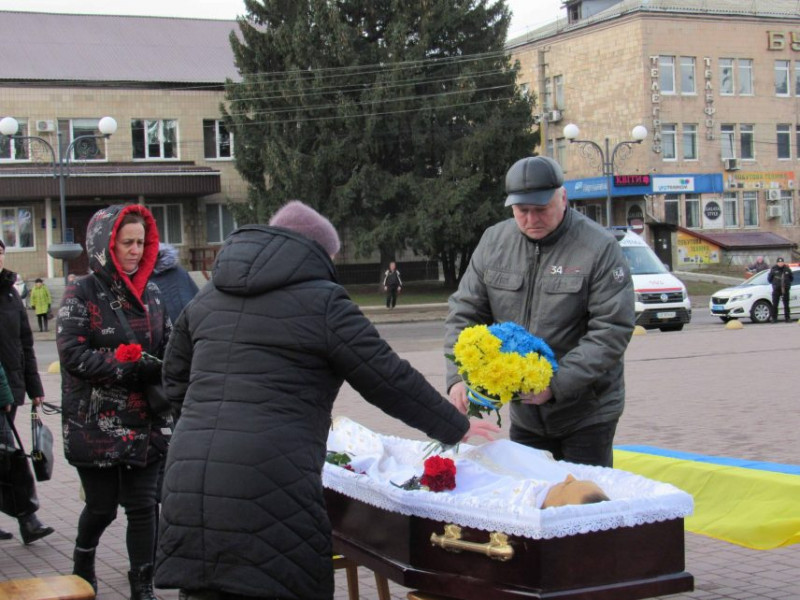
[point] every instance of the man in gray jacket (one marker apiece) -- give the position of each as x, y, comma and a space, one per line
564, 278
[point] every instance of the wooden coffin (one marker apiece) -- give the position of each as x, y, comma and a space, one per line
626, 563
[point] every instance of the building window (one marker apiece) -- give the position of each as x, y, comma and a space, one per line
747, 142
726, 76
666, 74
11, 149
217, 140
730, 209
90, 148
688, 85
784, 137
797, 139
746, 76
154, 139
786, 204
558, 84
750, 206
16, 227
689, 141
668, 141
781, 77
548, 94
797, 78
219, 223
728, 141
561, 152
671, 209
168, 219
692, 208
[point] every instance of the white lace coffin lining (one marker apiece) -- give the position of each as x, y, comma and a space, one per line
510, 504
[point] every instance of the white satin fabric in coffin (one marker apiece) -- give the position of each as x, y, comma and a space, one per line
499, 486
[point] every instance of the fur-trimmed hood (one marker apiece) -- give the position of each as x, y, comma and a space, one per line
101, 236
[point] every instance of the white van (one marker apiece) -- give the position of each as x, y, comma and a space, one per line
661, 298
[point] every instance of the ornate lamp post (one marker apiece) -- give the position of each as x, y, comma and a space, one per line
66, 250
592, 150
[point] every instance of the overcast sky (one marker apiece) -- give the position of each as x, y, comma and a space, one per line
527, 14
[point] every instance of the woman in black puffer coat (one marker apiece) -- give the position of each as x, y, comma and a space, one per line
111, 435
254, 365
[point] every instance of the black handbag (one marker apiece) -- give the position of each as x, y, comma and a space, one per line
154, 393
41, 447
17, 488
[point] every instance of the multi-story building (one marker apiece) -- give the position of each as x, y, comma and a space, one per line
717, 85
162, 81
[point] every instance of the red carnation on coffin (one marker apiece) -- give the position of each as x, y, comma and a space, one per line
128, 352
439, 475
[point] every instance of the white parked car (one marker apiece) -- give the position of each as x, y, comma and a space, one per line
753, 298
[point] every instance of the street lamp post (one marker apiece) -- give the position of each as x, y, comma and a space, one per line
66, 250
607, 156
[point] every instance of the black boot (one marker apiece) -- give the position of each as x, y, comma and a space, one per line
141, 579
5, 535
84, 565
32, 529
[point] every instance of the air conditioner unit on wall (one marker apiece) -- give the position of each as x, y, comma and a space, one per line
731, 164
773, 194
773, 212
554, 116
45, 125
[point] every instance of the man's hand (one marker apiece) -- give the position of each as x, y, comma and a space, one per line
538, 399
37, 402
458, 397
481, 428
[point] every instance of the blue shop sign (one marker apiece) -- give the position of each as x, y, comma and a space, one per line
692, 183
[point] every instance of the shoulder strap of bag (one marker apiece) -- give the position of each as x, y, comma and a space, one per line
116, 305
10, 424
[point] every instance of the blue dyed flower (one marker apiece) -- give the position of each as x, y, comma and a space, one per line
515, 338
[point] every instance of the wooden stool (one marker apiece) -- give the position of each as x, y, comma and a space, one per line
60, 587
351, 571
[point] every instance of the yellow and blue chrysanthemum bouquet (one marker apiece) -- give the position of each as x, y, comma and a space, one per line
500, 362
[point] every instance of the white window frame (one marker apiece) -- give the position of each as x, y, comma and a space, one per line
796, 78
673, 202
558, 89
218, 207
782, 72
786, 203
11, 217
15, 146
688, 78
669, 141
163, 221
217, 124
161, 139
783, 131
750, 208
747, 141
727, 81
666, 74
745, 72
691, 210
730, 209
89, 126
727, 138
689, 135
548, 94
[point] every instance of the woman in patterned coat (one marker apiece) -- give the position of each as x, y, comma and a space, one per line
111, 435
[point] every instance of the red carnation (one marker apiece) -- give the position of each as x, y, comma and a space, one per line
440, 474
128, 352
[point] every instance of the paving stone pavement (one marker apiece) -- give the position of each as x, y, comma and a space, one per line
712, 391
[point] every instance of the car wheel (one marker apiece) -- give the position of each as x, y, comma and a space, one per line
671, 327
761, 312
726, 319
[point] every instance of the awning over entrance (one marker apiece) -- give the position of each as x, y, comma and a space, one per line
108, 180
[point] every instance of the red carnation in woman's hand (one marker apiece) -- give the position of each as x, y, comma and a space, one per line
439, 475
128, 352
